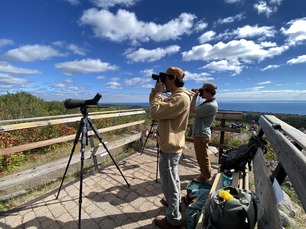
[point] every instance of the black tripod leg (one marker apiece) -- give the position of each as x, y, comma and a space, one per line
93, 127
157, 162
76, 139
83, 146
144, 145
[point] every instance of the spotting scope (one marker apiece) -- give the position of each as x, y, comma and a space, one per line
75, 103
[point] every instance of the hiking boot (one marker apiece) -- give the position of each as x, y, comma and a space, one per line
201, 179
163, 223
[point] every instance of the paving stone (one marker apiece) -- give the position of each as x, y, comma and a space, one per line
13, 221
107, 202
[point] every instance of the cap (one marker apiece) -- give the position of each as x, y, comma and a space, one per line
210, 86
178, 72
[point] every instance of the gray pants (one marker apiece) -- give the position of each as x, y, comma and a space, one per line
171, 185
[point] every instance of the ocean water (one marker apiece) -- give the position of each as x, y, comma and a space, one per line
284, 107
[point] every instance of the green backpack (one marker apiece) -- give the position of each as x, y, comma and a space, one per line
240, 212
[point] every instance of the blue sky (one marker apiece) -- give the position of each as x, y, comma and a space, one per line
59, 49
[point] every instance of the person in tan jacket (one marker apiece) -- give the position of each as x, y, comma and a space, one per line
172, 115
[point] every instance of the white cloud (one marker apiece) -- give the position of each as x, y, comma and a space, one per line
114, 85
275, 51
150, 85
224, 65
71, 47
31, 53
296, 31
59, 85
145, 55
277, 2
7, 79
200, 25
69, 80
248, 31
242, 50
5, 42
6, 67
265, 82
147, 72
198, 77
228, 20
260, 94
77, 50
115, 79
298, 60
84, 66
263, 7
125, 26
233, 56
100, 77
110, 3
137, 81
232, 1
274, 66
207, 36
267, 44
256, 88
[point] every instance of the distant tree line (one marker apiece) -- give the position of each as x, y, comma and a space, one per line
297, 121
25, 105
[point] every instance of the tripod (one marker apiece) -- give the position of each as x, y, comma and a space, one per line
144, 145
86, 122
157, 148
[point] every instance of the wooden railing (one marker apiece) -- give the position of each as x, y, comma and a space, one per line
223, 117
287, 143
17, 182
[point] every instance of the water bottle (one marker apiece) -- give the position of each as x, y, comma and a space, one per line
227, 178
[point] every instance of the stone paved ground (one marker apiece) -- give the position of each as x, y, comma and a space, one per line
107, 201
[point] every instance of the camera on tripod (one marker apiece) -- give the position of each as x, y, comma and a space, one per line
161, 76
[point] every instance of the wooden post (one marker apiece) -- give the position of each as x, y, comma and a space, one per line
221, 140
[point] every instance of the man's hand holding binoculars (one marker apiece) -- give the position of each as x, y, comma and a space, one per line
159, 87
198, 91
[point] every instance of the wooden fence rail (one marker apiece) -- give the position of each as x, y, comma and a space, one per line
287, 143
223, 117
15, 182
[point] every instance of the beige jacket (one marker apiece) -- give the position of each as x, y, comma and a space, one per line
172, 115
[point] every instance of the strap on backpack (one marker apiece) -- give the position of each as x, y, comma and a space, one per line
249, 211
